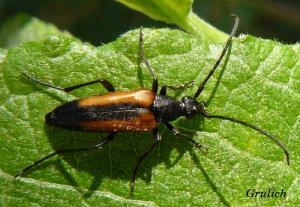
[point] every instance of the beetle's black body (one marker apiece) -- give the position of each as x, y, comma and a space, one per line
167, 109
138, 110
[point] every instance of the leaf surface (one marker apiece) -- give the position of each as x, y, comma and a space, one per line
259, 83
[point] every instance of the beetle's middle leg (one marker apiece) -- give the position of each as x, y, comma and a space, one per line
157, 139
176, 132
107, 85
105, 141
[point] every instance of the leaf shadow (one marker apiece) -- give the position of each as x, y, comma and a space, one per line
208, 179
121, 155
117, 160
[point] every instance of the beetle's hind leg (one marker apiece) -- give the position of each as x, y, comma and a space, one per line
142, 57
176, 132
106, 84
107, 140
157, 139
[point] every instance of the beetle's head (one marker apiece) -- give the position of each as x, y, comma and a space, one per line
191, 107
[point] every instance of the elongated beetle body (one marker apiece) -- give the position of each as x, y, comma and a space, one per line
137, 110
112, 112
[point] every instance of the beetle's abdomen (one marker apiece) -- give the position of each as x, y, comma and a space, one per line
111, 112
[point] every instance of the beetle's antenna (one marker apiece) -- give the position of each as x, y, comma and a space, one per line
233, 31
274, 139
142, 57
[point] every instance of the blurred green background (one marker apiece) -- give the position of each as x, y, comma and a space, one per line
101, 21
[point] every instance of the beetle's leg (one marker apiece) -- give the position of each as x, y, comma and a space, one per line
105, 83
163, 90
157, 139
64, 151
142, 57
176, 132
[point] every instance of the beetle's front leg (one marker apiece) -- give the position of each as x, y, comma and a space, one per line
163, 90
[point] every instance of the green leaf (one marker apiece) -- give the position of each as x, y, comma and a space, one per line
177, 12
23, 28
260, 83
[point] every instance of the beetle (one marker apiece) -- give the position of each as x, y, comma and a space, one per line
137, 110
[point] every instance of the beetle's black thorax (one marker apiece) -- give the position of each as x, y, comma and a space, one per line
167, 109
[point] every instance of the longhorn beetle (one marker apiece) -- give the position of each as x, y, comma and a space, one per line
137, 110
